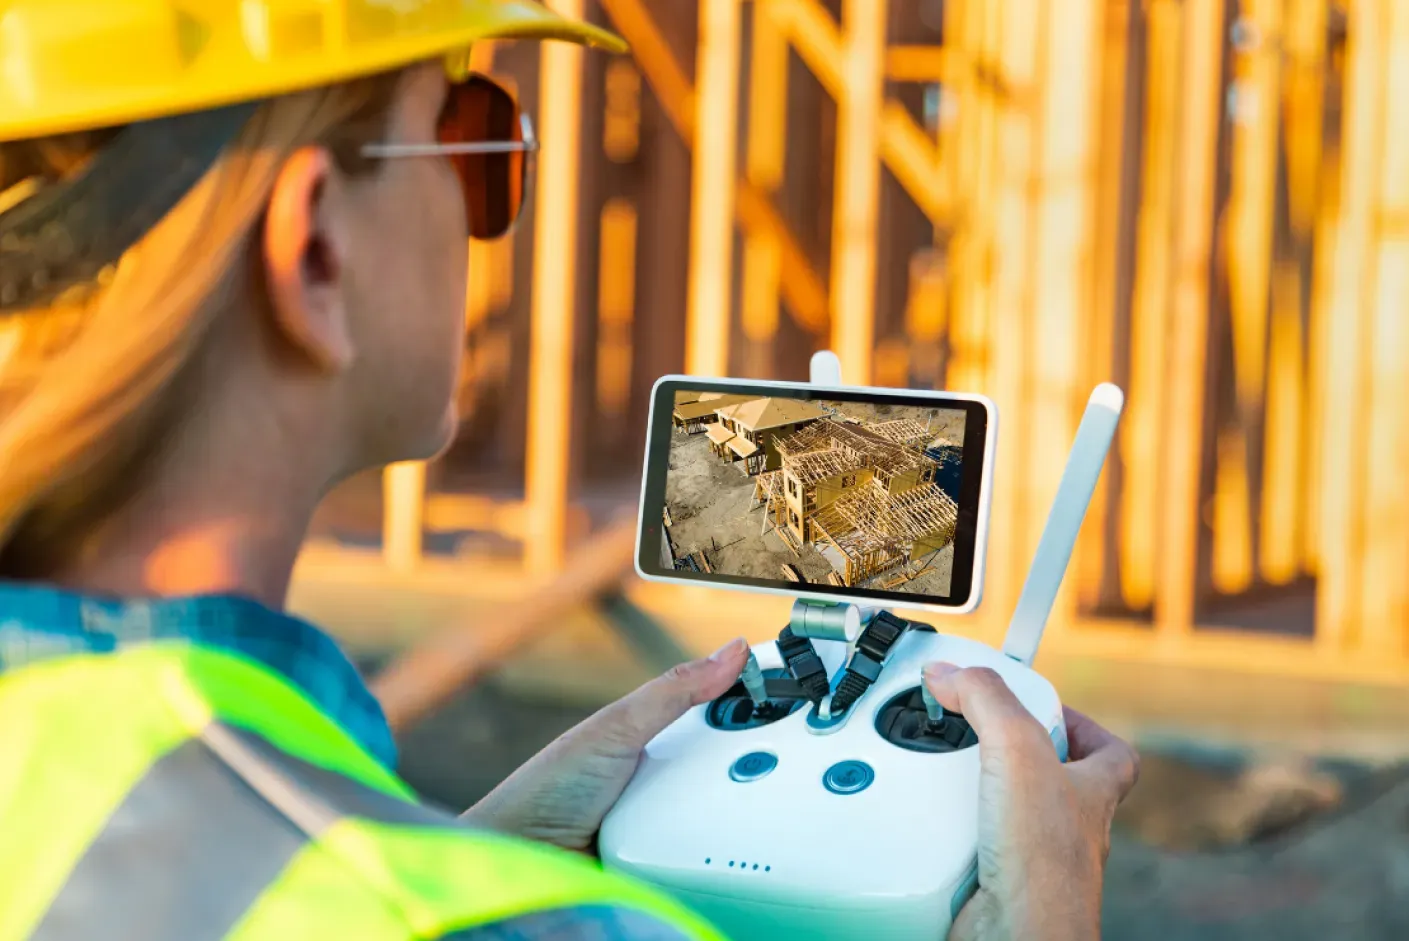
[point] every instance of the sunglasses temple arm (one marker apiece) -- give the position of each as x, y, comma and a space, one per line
447, 150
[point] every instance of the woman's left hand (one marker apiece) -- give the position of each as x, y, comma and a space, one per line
562, 794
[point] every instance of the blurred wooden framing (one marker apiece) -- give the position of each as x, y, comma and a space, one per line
1206, 201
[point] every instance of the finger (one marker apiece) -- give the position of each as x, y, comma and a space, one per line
1103, 766
984, 699
642, 715
1084, 734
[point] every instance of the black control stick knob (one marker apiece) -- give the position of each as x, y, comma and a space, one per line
908, 721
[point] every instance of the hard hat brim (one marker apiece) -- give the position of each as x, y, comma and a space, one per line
185, 65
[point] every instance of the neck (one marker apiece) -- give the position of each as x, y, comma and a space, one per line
244, 551
233, 552
223, 501
215, 526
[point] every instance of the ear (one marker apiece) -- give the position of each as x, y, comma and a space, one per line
304, 257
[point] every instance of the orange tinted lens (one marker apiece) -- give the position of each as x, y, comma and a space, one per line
479, 111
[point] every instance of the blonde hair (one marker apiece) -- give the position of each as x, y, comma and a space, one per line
82, 381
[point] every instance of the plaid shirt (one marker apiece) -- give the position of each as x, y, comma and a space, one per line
38, 622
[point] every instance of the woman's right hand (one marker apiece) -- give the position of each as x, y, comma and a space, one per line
1044, 826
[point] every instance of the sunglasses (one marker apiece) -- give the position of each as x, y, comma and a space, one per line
490, 142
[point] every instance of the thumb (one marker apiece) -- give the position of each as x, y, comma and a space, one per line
983, 698
640, 716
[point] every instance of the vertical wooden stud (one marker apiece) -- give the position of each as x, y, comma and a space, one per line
1187, 345
1343, 416
554, 282
712, 198
1384, 575
856, 205
767, 126
403, 520
1064, 194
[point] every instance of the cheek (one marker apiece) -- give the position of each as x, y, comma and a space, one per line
445, 240
412, 279
452, 283
435, 247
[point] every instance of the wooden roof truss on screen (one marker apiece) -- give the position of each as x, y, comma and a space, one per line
875, 532
814, 437
854, 447
926, 512
818, 465
907, 431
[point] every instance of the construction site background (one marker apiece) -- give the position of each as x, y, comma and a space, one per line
1204, 201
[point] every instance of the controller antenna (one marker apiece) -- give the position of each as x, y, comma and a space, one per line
1049, 564
754, 682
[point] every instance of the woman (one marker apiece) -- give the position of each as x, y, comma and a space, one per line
231, 276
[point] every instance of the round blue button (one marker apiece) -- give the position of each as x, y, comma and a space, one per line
753, 766
848, 777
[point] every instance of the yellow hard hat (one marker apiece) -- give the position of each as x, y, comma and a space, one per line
68, 65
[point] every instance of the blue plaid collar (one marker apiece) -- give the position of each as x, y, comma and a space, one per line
38, 622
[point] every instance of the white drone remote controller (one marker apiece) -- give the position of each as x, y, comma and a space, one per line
827, 796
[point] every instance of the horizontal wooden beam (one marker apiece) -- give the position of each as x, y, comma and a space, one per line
923, 64
463, 512
433, 670
370, 608
1225, 651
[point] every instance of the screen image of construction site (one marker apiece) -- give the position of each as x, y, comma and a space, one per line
789, 490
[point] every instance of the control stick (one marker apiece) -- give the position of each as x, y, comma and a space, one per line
754, 682
932, 706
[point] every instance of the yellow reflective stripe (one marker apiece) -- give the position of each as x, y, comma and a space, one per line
75, 736
245, 694
182, 858
318, 899
371, 880
447, 879
79, 733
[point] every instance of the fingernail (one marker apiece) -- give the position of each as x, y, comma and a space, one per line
938, 670
728, 649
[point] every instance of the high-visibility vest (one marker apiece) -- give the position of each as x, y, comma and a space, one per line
175, 793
